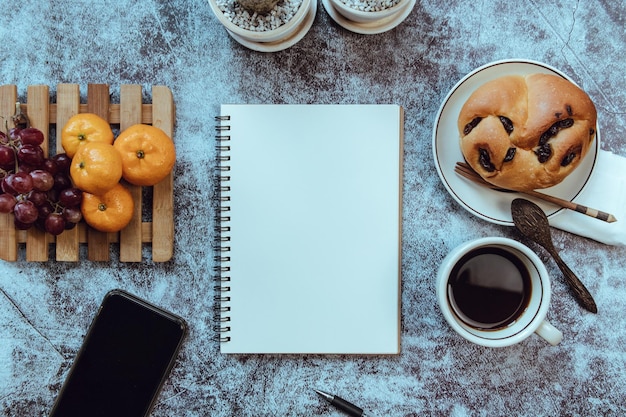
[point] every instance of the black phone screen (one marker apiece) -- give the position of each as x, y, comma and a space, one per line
127, 353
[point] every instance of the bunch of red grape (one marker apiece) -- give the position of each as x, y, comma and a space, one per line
37, 190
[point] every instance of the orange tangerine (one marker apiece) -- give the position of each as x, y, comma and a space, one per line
83, 128
108, 212
96, 167
148, 154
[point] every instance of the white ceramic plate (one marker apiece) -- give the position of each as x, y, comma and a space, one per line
372, 28
285, 43
490, 205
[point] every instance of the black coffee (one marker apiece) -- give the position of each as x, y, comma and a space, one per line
489, 288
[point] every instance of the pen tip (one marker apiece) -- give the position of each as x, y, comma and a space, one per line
324, 395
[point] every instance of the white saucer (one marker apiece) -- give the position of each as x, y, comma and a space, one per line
490, 205
372, 28
285, 43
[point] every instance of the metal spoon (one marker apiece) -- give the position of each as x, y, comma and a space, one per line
532, 222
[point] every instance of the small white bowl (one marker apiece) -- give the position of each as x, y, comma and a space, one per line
282, 32
361, 16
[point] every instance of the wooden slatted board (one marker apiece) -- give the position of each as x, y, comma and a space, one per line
131, 110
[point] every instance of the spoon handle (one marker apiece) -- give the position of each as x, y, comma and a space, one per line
582, 294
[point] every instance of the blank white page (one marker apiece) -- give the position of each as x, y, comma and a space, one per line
315, 229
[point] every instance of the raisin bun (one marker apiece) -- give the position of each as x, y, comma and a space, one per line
526, 132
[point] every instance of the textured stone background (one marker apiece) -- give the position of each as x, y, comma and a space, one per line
45, 308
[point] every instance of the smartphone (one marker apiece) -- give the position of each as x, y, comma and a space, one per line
125, 358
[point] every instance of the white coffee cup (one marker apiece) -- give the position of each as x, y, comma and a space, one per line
530, 317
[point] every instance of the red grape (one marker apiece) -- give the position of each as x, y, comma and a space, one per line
53, 195
61, 182
70, 197
22, 183
42, 180
25, 168
20, 225
37, 197
40, 223
55, 225
7, 157
72, 214
70, 225
7, 202
31, 154
45, 210
25, 212
50, 165
63, 162
31, 136
7, 185
37, 190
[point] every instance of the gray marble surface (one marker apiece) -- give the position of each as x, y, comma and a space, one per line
45, 308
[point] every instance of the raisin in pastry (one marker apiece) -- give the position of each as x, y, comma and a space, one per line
527, 132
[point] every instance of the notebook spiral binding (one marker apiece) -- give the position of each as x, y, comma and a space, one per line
221, 246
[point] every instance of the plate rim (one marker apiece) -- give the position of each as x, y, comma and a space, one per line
450, 189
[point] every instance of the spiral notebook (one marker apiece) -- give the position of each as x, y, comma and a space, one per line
309, 217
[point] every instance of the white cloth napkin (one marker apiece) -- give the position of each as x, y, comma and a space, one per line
606, 191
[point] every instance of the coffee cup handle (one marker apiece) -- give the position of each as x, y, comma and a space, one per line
550, 333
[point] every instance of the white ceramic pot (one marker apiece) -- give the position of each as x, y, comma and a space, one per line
282, 32
361, 16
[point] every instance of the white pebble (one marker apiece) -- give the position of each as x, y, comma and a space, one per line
370, 5
278, 16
